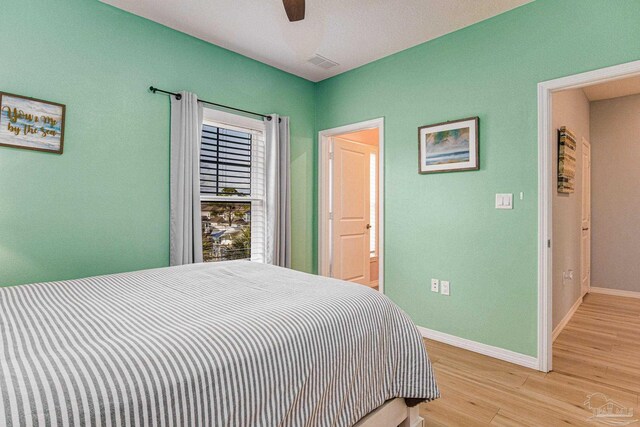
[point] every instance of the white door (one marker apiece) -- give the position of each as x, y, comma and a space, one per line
350, 191
585, 238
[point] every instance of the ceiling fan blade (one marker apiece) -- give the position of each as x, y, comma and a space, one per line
295, 9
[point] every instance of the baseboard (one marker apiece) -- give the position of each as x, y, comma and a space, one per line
566, 318
616, 292
488, 350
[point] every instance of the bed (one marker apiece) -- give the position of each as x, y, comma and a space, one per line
223, 344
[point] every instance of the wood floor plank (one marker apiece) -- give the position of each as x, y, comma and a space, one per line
598, 352
517, 399
575, 390
535, 417
466, 407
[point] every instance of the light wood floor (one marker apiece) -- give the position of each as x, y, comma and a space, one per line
598, 351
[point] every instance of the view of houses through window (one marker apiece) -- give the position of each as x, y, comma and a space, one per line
226, 230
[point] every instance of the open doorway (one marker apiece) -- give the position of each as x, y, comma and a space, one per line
350, 178
589, 148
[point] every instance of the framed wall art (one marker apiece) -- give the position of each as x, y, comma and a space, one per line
449, 146
566, 161
31, 124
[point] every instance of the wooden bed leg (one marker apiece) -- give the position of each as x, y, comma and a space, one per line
393, 413
413, 418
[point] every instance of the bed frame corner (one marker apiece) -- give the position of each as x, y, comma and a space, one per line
393, 413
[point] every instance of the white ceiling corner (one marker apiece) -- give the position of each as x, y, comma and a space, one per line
349, 32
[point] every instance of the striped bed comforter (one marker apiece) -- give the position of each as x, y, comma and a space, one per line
227, 344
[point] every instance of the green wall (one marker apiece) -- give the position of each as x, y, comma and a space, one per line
103, 206
445, 225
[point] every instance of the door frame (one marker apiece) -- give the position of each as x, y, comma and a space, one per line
324, 193
585, 144
545, 192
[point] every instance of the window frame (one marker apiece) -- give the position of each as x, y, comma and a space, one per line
239, 123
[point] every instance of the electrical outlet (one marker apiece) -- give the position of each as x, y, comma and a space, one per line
504, 201
435, 284
444, 287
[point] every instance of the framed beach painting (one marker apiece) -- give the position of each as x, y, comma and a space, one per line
449, 146
31, 124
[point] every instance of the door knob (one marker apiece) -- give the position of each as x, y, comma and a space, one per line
368, 226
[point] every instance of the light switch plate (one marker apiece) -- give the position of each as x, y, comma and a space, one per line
435, 284
444, 287
504, 201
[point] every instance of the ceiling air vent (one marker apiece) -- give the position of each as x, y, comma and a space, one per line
322, 62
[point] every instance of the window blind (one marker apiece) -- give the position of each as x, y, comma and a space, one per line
225, 162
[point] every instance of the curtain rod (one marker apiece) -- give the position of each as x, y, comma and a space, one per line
179, 97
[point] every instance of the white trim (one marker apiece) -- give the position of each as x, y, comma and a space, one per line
615, 292
477, 347
545, 190
545, 269
231, 119
585, 144
566, 318
324, 138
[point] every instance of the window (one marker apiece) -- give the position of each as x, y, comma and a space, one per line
232, 187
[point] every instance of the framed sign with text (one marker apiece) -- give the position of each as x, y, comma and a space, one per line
31, 124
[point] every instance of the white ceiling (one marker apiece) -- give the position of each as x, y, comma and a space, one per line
613, 89
349, 32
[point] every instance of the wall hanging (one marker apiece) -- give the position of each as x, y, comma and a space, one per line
449, 146
566, 160
31, 124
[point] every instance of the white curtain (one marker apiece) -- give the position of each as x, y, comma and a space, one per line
186, 133
278, 194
